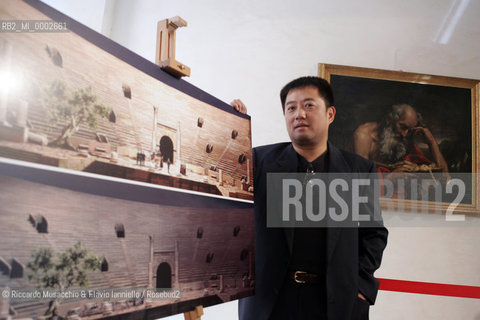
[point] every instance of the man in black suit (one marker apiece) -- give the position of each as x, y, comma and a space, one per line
310, 273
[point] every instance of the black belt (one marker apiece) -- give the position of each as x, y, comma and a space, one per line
303, 277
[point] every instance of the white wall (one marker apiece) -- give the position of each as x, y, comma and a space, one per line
249, 49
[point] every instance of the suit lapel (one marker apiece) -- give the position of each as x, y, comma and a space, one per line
286, 162
336, 163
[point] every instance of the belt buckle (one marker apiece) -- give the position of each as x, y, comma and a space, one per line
295, 275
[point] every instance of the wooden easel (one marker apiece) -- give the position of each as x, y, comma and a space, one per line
165, 56
196, 314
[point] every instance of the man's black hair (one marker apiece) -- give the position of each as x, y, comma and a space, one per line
324, 89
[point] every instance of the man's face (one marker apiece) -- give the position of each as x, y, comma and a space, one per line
396, 139
407, 121
307, 118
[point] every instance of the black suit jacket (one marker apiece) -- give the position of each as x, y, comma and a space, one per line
353, 254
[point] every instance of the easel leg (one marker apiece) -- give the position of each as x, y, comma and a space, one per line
195, 314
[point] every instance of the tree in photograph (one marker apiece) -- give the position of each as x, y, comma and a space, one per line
74, 108
61, 271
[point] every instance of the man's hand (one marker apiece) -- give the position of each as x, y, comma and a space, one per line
238, 105
424, 134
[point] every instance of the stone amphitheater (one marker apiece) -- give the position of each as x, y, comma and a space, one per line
206, 148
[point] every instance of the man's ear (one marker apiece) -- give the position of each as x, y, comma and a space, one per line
331, 111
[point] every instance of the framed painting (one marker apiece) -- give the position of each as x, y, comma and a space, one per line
414, 127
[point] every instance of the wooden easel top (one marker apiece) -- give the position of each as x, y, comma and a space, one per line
165, 55
196, 314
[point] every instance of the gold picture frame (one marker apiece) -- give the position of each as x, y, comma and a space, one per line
363, 93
